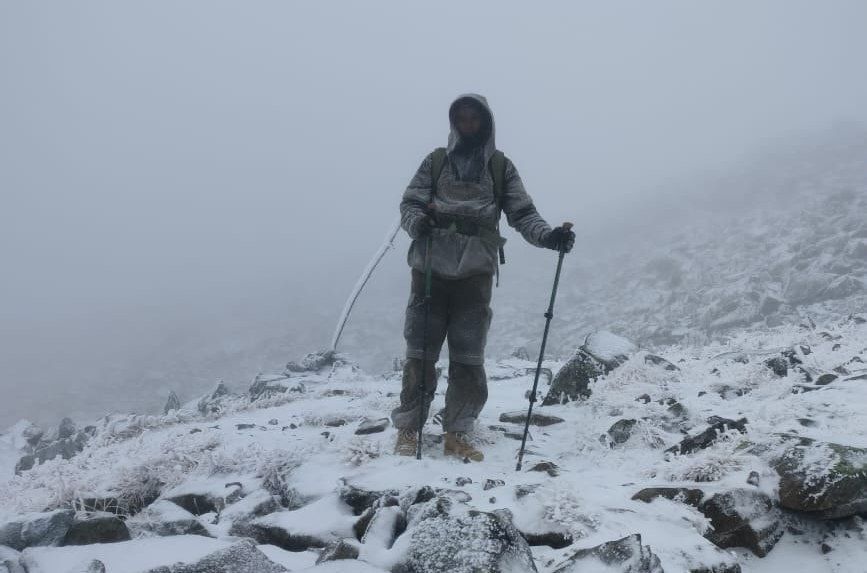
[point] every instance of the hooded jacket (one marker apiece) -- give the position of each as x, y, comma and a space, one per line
465, 191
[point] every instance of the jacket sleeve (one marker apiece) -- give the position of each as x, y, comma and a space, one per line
416, 197
519, 209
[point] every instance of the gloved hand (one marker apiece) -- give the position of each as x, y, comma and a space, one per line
560, 237
422, 227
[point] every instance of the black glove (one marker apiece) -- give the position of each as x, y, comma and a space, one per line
422, 227
560, 239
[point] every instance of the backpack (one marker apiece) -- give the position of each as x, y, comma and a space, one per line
497, 167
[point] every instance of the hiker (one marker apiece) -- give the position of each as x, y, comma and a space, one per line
453, 204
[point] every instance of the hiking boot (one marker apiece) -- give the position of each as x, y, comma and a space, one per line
456, 444
407, 443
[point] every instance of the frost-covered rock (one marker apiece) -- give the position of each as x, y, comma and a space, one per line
165, 518
718, 426
242, 557
269, 386
600, 354
215, 401
96, 528
536, 418
337, 550
826, 479
689, 496
620, 431
313, 362
661, 362
372, 426
742, 518
466, 543
89, 566
626, 555
35, 529
172, 403
313, 526
10, 561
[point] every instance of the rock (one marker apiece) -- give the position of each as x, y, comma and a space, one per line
492, 483
827, 480
360, 499
572, 381
10, 561
553, 539
689, 496
753, 478
677, 410
628, 555
199, 503
244, 426
242, 557
462, 481
621, 430
524, 490
743, 518
173, 403
313, 362
215, 401
548, 467
163, 518
472, 542
536, 419
36, 529
66, 429
660, 361
644, 399
336, 551
521, 353
269, 386
361, 526
709, 436
372, 426
385, 526
96, 528
778, 366
610, 349
825, 379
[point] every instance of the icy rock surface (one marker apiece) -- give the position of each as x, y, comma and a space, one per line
475, 541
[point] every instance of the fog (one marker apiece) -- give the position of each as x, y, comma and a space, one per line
190, 190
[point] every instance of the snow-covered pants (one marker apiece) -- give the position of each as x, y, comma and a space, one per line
459, 311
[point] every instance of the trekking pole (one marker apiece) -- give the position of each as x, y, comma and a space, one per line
548, 316
422, 386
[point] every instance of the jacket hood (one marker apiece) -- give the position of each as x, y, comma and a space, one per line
489, 145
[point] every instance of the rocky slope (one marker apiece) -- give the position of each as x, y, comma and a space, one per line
748, 455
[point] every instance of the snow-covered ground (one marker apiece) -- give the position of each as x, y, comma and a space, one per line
307, 437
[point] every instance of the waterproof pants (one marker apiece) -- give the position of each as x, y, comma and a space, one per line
460, 311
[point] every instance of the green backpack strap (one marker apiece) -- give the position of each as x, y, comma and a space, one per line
438, 159
498, 173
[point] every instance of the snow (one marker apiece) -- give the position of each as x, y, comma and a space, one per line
126, 556
591, 498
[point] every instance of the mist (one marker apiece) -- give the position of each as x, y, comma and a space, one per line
189, 191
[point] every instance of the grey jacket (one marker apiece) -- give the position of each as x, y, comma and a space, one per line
456, 255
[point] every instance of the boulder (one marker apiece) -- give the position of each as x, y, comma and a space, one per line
36, 529
173, 403
269, 386
710, 435
360, 499
620, 431
536, 419
312, 362
372, 426
827, 480
242, 557
626, 555
689, 496
164, 518
778, 365
96, 528
336, 551
655, 360
467, 543
215, 401
600, 354
742, 518
10, 561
